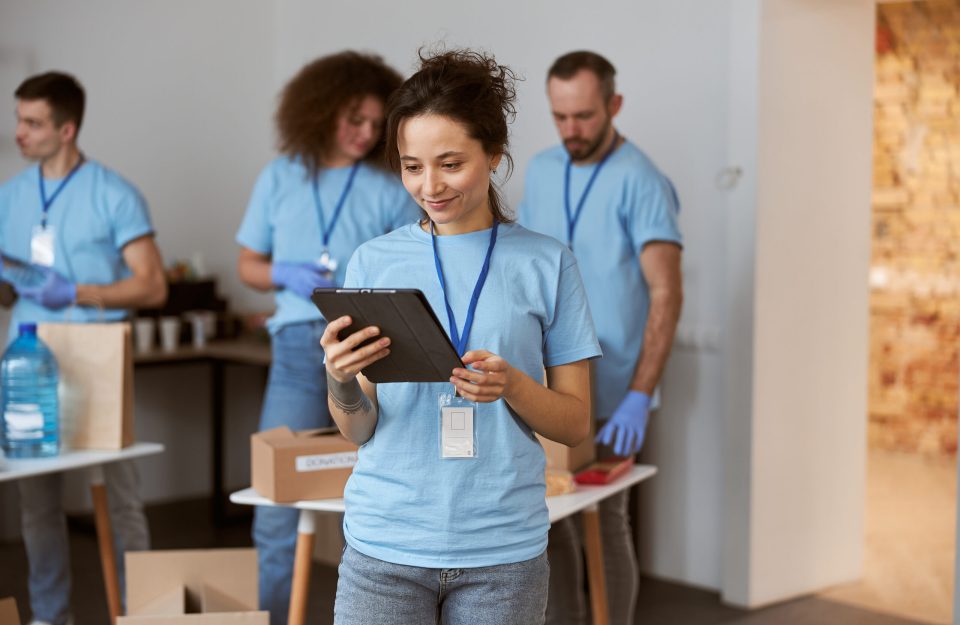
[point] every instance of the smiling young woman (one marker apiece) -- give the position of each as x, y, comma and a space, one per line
445, 507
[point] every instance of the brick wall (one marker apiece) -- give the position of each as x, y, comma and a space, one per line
915, 267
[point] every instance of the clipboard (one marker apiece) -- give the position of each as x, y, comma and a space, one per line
420, 350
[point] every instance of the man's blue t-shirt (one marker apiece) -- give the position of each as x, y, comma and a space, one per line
282, 221
95, 215
406, 505
630, 204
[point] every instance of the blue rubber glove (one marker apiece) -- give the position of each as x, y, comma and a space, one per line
54, 292
301, 278
628, 425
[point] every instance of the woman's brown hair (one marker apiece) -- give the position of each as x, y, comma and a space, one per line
313, 100
469, 88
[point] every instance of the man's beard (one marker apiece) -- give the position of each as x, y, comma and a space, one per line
580, 152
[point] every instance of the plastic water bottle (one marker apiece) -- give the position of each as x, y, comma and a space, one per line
29, 410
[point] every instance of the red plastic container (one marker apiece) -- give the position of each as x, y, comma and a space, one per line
604, 472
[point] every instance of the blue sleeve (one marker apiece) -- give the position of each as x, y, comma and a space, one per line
651, 212
570, 335
130, 217
354, 277
256, 231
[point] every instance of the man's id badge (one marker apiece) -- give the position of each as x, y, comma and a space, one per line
457, 427
42, 246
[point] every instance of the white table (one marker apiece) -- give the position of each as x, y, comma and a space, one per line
93, 460
584, 500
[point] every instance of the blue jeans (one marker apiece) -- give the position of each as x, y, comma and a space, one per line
45, 534
373, 591
296, 397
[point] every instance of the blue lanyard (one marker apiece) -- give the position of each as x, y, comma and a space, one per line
573, 218
460, 342
43, 190
326, 231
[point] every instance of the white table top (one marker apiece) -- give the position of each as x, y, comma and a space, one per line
559, 507
69, 459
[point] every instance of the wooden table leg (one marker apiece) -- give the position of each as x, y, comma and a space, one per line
593, 545
217, 410
108, 558
301, 568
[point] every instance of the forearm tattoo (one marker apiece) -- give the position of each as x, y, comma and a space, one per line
348, 397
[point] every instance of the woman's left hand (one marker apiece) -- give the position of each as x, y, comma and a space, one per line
488, 382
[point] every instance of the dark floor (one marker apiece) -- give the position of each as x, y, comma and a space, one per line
187, 525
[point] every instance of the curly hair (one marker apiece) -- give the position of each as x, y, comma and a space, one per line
311, 103
468, 87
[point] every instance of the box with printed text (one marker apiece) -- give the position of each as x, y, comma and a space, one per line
289, 466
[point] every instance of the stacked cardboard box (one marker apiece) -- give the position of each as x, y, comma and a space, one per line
197, 587
8, 612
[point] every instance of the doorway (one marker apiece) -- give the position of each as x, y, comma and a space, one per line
914, 316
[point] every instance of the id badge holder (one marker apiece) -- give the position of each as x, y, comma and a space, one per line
327, 263
458, 429
42, 246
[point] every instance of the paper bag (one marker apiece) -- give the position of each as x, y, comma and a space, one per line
96, 383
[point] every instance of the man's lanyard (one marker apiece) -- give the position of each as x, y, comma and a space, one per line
460, 341
326, 231
46, 203
575, 216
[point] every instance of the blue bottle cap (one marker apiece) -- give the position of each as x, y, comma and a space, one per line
27, 327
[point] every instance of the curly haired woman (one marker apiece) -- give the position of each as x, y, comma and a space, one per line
311, 208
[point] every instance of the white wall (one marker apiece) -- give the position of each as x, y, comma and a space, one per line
803, 517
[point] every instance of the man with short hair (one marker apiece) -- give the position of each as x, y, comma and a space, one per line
603, 197
87, 232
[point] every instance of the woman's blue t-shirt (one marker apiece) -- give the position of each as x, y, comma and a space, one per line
404, 503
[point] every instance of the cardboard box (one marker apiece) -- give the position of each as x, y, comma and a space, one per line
8, 612
289, 466
196, 587
560, 456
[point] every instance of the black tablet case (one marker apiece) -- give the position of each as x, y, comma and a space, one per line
420, 350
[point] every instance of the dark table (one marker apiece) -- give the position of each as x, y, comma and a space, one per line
217, 355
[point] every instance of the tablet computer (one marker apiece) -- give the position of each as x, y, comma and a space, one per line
420, 350
20, 273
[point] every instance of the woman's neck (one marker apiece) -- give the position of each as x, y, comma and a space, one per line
477, 219
336, 161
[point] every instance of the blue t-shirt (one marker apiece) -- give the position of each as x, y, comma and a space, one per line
404, 503
95, 215
282, 221
631, 204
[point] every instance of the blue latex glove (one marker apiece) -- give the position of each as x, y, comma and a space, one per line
628, 425
54, 292
301, 278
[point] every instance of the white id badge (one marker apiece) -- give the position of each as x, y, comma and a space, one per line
328, 262
457, 427
42, 246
